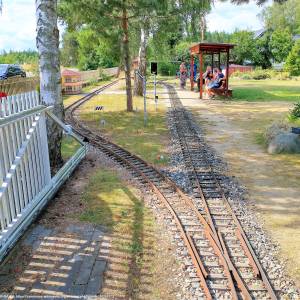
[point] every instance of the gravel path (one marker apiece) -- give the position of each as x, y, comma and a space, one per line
265, 248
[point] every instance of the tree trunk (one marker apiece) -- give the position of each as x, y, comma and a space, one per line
142, 61
203, 27
193, 26
47, 41
127, 59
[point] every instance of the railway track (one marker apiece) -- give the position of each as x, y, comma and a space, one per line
218, 249
210, 200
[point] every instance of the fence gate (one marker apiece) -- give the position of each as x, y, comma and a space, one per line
25, 178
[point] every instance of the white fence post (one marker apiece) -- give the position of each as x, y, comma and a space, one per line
25, 176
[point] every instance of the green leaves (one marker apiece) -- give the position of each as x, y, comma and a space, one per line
280, 44
293, 60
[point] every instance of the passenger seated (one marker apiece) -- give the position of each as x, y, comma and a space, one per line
216, 82
206, 77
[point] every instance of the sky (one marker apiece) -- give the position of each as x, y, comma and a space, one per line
17, 22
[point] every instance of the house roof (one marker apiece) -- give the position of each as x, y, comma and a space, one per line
259, 33
296, 37
67, 72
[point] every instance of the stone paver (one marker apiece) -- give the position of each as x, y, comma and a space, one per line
63, 264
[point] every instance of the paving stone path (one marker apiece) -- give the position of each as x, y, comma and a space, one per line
68, 264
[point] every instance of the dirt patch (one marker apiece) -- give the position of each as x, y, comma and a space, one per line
272, 181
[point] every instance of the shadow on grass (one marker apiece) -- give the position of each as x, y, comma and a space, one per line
113, 205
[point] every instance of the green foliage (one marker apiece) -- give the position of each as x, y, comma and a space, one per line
293, 60
280, 44
261, 74
182, 51
70, 47
295, 112
285, 15
245, 49
88, 50
19, 57
218, 37
167, 68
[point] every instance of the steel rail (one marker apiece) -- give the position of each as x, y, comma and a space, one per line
241, 235
225, 259
93, 139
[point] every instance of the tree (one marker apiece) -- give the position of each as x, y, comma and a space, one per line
70, 49
103, 17
263, 55
142, 60
285, 15
292, 64
281, 44
47, 41
245, 49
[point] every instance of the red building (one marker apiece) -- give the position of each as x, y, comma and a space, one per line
71, 82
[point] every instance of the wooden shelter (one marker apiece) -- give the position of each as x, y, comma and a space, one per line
211, 49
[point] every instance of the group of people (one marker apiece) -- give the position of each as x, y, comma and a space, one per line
211, 78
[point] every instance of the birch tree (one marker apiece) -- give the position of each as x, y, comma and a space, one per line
47, 41
142, 59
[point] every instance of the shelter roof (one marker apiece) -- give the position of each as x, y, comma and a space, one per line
210, 48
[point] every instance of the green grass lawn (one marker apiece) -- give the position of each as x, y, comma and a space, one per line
127, 128
111, 202
265, 90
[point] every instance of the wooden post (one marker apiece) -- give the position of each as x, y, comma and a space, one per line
201, 73
212, 62
227, 71
219, 60
192, 72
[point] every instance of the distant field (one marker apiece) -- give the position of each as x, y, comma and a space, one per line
265, 90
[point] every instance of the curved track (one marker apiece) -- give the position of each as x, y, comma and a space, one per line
218, 248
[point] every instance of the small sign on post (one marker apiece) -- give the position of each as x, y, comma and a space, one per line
154, 72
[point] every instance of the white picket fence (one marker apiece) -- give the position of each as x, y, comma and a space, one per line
25, 178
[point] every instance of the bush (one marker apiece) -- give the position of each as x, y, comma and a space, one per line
261, 74
246, 76
295, 112
283, 76
167, 69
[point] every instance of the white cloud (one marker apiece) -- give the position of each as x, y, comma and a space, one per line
17, 25
227, 17
18, 28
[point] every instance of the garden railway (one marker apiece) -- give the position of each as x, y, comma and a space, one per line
219, 250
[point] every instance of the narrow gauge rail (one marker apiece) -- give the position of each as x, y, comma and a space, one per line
209, 197
205, 244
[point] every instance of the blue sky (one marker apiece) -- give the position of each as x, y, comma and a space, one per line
17, 22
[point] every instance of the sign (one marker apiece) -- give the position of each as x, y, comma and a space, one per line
154, 68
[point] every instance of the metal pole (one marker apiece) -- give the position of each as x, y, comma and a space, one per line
155, 99
145, 102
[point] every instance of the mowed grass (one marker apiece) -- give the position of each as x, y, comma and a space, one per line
127, 128
111, 202
265, 90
